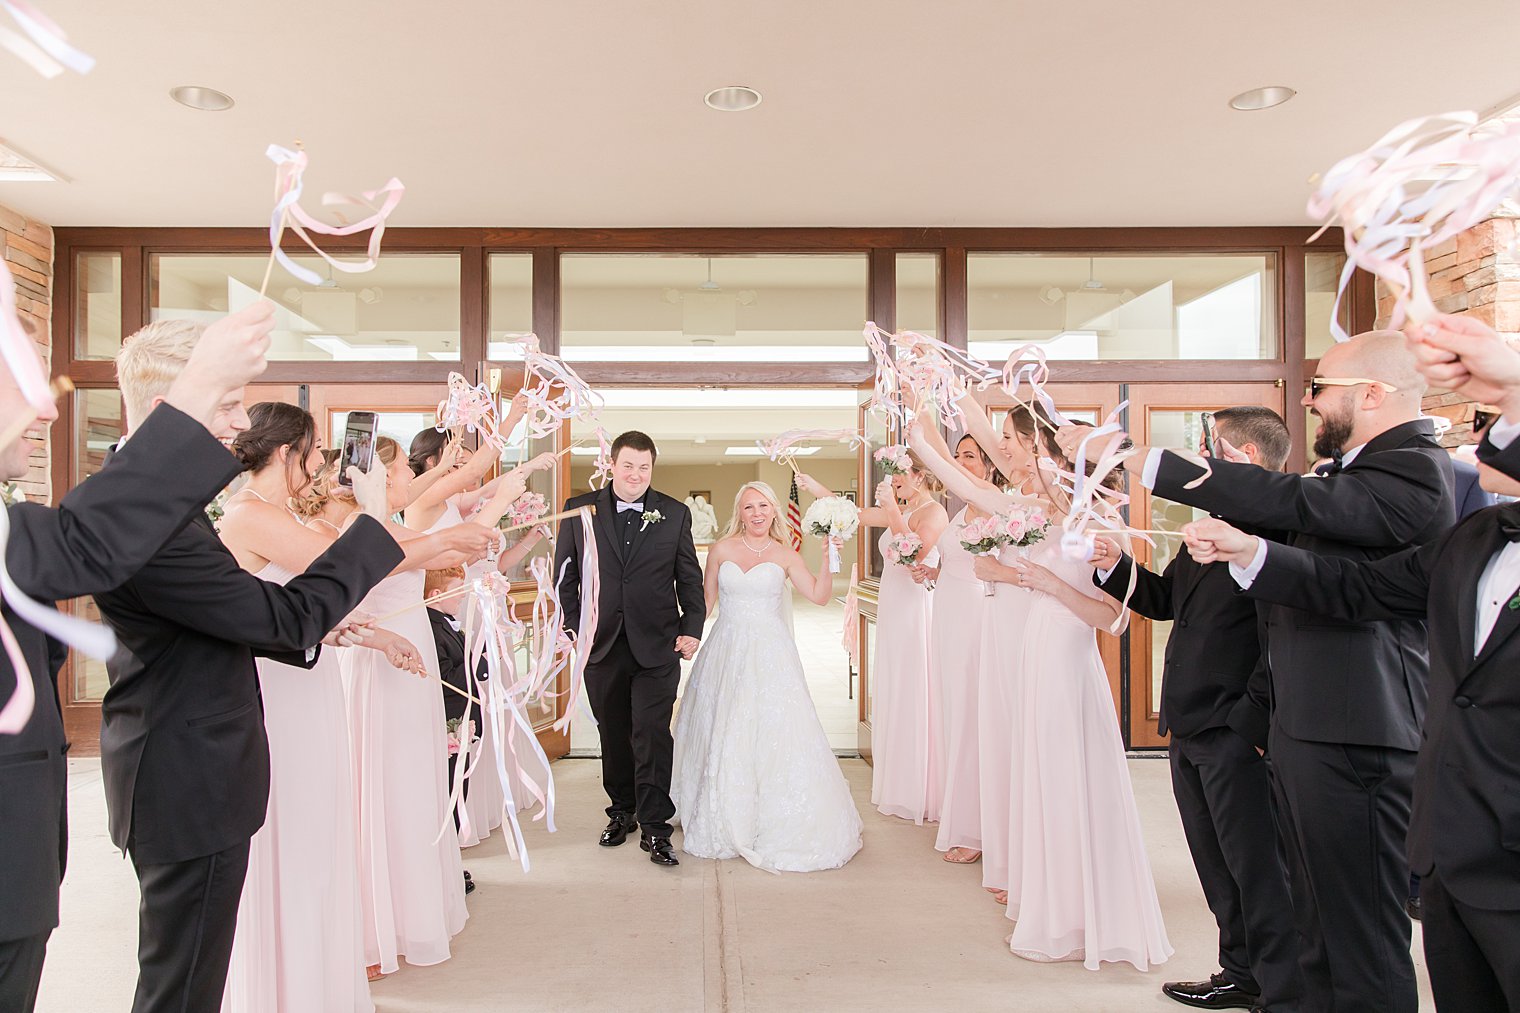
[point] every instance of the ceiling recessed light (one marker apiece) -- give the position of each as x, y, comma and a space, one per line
198, 97
733, 99
1262, 98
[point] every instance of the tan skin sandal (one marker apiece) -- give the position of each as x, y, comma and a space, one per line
963, 856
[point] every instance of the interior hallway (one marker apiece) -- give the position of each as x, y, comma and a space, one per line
594, 928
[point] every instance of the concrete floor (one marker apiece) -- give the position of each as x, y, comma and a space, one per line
594, 928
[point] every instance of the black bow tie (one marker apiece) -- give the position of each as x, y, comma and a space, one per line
1509, 521
1333, 468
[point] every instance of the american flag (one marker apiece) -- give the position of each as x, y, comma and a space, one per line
794, 516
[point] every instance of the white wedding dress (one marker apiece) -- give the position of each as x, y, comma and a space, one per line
753, 774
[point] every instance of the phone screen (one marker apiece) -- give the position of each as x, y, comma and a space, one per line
358, 445
1208, 434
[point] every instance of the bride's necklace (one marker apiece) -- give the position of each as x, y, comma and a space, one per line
745, 539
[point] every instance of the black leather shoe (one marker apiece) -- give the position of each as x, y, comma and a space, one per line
618, 829
1216, 993
1414, 908
660, 851
469, 884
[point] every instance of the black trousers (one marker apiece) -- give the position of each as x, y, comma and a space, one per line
184, 931
633, 707
1343, 813
1473, 954
1224, 795
21, 971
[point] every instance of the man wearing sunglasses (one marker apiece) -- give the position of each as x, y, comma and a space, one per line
1348, 698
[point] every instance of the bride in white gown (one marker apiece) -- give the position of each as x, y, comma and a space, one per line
754, 775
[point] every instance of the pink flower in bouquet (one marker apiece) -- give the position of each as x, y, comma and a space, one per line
526, 509
894, 459
903, 550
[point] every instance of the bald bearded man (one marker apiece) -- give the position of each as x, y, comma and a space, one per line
1348, 698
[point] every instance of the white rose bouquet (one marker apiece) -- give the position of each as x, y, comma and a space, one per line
832, 516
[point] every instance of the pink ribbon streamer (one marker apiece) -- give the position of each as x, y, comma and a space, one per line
1421, 184
290, 166
850, 636
45, 47
938, 373
783, 446
585, 634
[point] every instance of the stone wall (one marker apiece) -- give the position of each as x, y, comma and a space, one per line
28, 249
1476, 274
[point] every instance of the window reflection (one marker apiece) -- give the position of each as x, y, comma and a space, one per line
1123, 307
406, 309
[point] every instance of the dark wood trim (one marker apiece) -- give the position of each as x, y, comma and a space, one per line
953, 297
1165, 370
135, 298
474, 303
546, 299
881, 285
419, 371
1295, 339
706, 240
1363, 302
724, 374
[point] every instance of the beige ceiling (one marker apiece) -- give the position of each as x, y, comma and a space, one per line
876, 112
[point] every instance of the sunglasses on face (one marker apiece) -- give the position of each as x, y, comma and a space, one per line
1317, 384
1484, 415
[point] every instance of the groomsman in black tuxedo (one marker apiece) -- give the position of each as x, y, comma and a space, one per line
183, 750
1348, 698
1218, 730
97, 537
1464, 838
650, 614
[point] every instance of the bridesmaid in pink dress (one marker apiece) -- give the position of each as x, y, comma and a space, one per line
1080, 883
905, 777
297, 944
1000, 637
410, 875
955, 649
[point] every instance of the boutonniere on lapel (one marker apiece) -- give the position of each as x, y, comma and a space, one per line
651, 517
1514, 603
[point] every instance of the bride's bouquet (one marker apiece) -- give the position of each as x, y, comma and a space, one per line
894, 459
832, 517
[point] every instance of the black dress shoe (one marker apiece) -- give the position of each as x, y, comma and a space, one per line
660, 851
1216, 993
469, 884
618, 829
1414, 908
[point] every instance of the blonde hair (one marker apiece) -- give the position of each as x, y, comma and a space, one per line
151, 360
926, 478
777, 533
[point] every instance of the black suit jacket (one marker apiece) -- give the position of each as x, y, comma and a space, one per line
1335, 680
654, 595
182, 743
99, 535
1466, 820
451, 646
1214, 649
1506, 460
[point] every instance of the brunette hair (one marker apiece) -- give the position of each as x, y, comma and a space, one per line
989, 470
635, 440
272, 425
426, 445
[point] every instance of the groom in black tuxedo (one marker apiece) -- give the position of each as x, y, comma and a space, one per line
649, 616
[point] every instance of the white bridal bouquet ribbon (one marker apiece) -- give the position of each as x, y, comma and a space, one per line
832, 516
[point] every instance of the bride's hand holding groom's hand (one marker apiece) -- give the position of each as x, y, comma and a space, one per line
686, 647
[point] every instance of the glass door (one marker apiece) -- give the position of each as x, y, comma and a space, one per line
1168, 415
